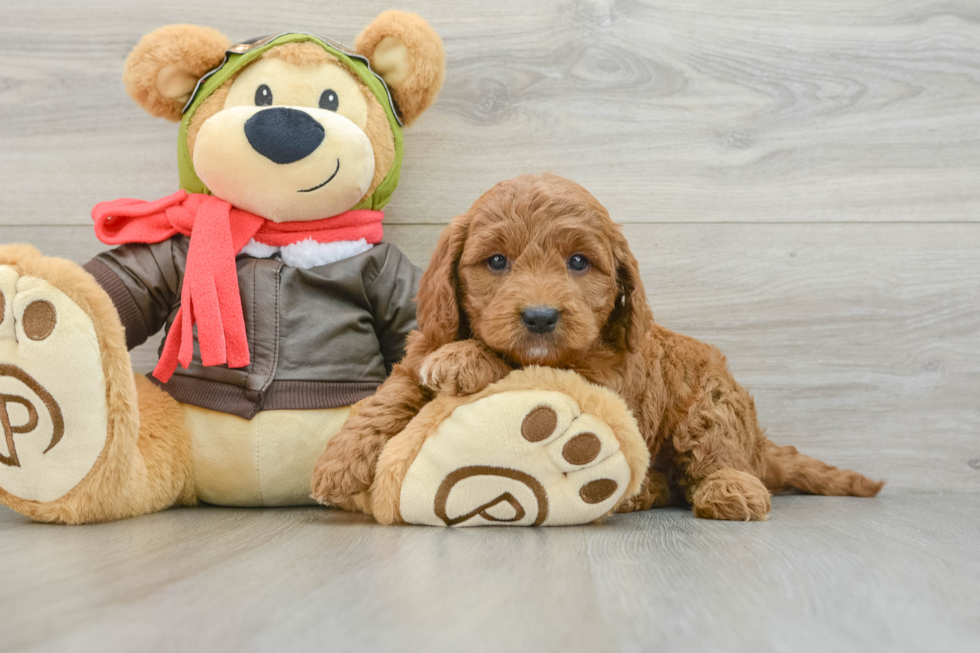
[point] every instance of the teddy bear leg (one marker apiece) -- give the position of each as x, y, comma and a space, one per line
541, 447
83, 439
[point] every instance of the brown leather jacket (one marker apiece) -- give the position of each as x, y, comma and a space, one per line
319, 338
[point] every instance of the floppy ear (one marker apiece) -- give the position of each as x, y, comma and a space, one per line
408, 55
163, 69
631, 318
439, 316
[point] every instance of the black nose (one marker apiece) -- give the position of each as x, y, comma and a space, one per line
540, 319
283, 135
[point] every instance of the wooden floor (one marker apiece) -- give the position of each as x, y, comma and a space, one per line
801, 183
897, 573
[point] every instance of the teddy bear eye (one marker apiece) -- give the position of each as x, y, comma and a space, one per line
329, 100
263, 96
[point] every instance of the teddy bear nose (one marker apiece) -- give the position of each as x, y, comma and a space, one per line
284, 135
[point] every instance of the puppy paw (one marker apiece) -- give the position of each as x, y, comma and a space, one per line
524, 458
654, 493
733, 495
462, 368
337, 482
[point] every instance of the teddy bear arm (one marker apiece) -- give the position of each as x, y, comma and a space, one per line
392, 296
143, 282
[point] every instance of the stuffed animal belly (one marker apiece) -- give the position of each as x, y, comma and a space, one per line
264, 461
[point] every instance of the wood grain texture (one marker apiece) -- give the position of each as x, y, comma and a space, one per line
898, 573
718, 111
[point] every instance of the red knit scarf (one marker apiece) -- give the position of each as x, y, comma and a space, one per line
218, 231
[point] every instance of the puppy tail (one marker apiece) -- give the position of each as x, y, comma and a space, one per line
788, 468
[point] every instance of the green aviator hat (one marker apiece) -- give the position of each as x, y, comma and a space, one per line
240, 55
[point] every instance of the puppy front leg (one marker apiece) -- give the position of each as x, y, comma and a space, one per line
346, 467
654, 493
463, 367
718, 450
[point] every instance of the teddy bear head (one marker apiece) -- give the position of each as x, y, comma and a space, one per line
291, 127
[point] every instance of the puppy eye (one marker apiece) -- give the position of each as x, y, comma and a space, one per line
263, 96
577, 263
497, 262
329, 100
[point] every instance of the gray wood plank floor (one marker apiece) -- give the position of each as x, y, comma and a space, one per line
897, 573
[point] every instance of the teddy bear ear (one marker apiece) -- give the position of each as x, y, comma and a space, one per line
408, 55
163, 69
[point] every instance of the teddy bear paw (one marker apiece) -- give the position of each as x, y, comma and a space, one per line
53, 409
516, 458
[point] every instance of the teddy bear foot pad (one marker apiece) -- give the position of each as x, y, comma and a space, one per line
520, 458
52, 390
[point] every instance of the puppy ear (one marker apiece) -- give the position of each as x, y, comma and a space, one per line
163, 69
439, 316
408, 55
631, 317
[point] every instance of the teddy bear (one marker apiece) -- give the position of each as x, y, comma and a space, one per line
282, 305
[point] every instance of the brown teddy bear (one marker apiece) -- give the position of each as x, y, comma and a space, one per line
283, 307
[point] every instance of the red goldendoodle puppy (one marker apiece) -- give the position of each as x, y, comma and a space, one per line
536, 273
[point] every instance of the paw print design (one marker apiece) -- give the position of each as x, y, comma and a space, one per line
529, 458
52, 390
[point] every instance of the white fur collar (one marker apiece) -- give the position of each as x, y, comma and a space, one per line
308, 253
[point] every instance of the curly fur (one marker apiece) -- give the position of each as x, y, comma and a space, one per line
699, 424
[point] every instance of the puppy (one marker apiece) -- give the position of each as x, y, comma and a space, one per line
536, 273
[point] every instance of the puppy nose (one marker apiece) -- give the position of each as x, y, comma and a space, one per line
284, 135
540, 319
